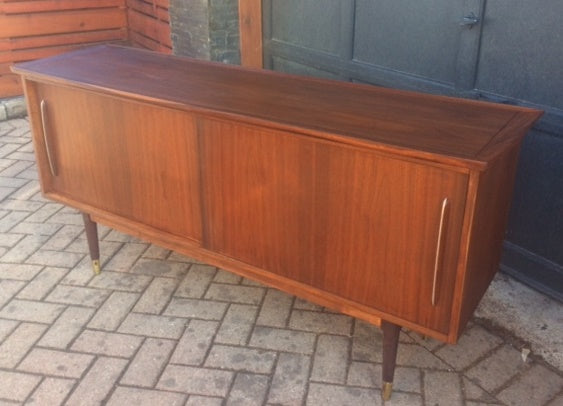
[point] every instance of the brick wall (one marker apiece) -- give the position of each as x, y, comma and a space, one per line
205, 29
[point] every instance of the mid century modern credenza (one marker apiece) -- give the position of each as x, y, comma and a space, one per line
382, 204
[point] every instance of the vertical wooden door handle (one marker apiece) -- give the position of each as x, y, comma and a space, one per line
439, 248
43, 108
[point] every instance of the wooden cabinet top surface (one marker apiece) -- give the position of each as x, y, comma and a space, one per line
446, 130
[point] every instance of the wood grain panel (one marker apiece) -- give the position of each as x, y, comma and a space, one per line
150, 9
250, 26
439, 129
150, 27
94, 138
68, 21
75, 38
493, 197
35, 6
343, 220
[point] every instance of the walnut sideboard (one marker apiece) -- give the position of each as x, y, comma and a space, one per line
381, 204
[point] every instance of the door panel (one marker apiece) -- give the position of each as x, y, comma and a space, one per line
419, 38
328, 31
402, 44
523, 61
138, 161
344, 220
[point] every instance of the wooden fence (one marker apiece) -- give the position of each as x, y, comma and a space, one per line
149, 24
32, 29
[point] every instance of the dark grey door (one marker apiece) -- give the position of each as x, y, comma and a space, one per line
505, 51
399, 43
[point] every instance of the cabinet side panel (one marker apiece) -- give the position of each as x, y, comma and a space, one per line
492, 204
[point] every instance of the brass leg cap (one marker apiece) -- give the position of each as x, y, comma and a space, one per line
96, 266
387, 390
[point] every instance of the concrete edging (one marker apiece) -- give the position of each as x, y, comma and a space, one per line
13, 107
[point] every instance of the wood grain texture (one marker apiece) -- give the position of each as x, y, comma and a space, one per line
279, 179
250, 27
93, 138
19, 25
337, 219
493, 192
441, 129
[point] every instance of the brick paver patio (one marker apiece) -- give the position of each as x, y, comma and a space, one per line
156, 328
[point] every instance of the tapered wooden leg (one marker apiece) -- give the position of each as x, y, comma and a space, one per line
93, 244
390, 343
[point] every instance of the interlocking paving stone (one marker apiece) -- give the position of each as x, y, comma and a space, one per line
194, 344
156, 296
237, 324
97, 383
77, 295
235, 293
318, 322
323, 394
275, 310
10, 239
24, 248
495, 370
537, 385
156, 252
248, 389
6, 328
54, 258
42, 284
42, 229
17, 386
144, 397
227, 277
331, 359
241, 359
114, 310
63, 237
66, 328
56, 363
407, 399
198, 381
283, 340
29, 310
367, 374
414, 356
9, 289
42, 214
153, 326
125, 257
80, 275
475, 343
16, 346
104, 343
12, 219
196, 282
198, 309
434, 381
195, 400
290, 379
160, 268
51, 391
120, 281
148, 363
